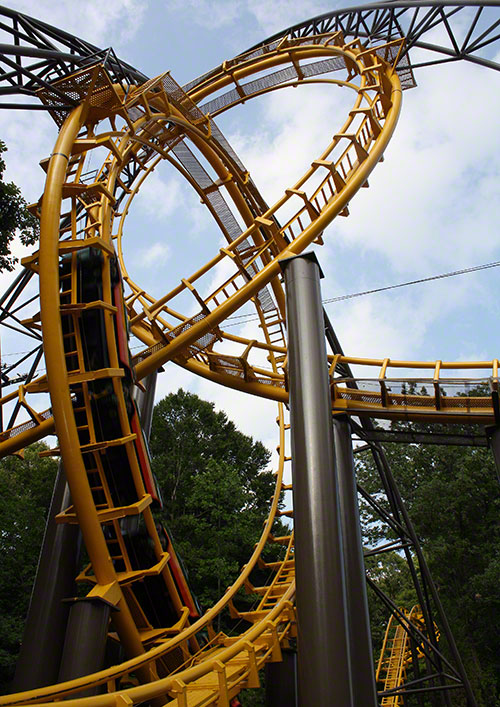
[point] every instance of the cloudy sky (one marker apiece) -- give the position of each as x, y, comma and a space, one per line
432, 206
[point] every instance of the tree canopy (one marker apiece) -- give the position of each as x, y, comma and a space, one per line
216, 490
25, 491
215, 486
453, 499
217, 493
14, 217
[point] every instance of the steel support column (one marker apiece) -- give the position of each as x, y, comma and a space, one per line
45, 628
364, 689
145, 400
281, 681
323, 644
85, 643
493, 434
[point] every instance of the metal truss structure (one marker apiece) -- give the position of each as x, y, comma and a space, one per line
33, 55
76, 321
465, 29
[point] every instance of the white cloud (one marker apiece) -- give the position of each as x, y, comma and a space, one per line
28, 141
102, 23
295, 126
158, 197
212, 14
155, 255
433, 201
275, 16
201, 222
269, 17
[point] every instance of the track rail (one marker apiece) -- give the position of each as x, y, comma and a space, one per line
75, 265
252, 254
397, 654
258, 644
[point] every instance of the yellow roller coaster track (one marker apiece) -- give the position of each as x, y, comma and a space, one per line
136, 127
396, 654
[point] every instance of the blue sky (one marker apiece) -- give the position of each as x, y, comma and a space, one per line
432, 205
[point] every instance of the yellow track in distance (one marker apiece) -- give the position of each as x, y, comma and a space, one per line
395, 654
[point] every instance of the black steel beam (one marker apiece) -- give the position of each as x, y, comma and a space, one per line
411, 437
358, 618
383, 21
38, 50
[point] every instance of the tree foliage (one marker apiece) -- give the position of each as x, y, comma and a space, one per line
14, 217
215, 489
216, 492
25, 491
453, 499
391, 574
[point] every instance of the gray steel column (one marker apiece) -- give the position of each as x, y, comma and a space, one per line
281, 681
323, 643
362, 664
145, 402
85, 643
493, 434
43, 639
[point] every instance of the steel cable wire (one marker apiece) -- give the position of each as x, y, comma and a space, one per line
341, 298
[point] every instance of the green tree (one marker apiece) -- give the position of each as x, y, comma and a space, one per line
14, 218
215, 489
453, 500
216, 492
25, 491
391, 574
